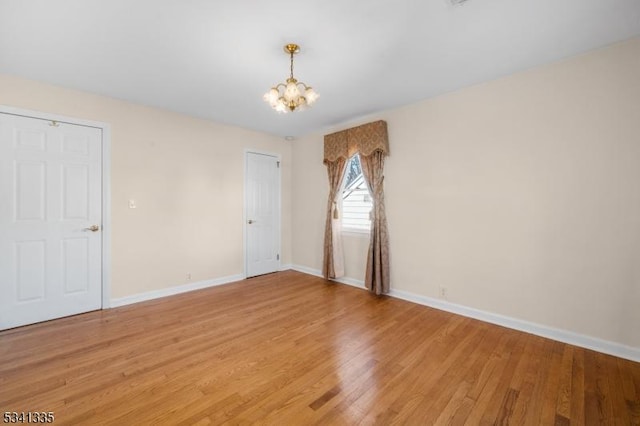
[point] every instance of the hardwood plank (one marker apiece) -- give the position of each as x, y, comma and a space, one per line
622, 412
525, 380
506, 408
539, 383
603, 388
288, 348
577, 388
592, 411
552, 385
563, 402
503, 398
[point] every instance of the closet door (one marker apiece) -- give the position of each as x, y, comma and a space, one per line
262, 207
50, 220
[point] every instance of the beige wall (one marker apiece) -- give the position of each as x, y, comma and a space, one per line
186, 176
521, 196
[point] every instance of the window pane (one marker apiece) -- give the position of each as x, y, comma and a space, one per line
353, 170
356, 200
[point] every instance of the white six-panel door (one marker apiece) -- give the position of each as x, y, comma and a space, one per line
50, 220
262, 206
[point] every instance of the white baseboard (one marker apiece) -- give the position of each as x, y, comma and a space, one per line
307, 270
316, 272
171, 291
285, 267
565, 336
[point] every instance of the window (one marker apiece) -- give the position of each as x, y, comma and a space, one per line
356, 200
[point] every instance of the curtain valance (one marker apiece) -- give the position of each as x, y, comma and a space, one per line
365, 139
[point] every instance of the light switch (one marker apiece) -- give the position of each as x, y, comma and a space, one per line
132, 204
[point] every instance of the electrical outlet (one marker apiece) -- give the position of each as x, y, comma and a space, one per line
188, 276
443, 292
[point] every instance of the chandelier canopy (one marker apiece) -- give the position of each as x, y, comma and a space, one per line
292, 94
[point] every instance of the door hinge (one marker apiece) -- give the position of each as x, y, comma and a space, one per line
278, 164
277, 257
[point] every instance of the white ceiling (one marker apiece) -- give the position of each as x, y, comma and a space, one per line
215, 59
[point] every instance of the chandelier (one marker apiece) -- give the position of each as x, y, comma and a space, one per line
292, 94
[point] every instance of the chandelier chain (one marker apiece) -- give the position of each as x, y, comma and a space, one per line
291, 67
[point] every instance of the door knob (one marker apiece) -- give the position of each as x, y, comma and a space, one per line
250, 221
92, 228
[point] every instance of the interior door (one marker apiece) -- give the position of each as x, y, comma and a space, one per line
262, 207
50, 220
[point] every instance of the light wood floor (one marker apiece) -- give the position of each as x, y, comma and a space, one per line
290, 349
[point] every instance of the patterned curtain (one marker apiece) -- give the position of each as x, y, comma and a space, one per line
377, 274
371, 141
333, 263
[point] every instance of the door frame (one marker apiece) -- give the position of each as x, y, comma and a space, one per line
245, 245
106, 183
